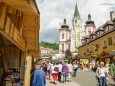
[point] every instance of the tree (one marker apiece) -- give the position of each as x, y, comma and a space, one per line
68, 54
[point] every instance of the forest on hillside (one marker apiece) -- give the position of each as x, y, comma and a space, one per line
53, 46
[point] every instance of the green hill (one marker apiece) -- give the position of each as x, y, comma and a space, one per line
53, 46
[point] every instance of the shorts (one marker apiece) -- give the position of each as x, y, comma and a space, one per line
49, 71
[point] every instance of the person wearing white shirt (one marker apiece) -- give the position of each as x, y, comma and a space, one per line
102, 73
70, 70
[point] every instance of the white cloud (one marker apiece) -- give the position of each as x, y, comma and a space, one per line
52, 13
55, 23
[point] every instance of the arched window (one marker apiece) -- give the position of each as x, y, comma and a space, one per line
62, 36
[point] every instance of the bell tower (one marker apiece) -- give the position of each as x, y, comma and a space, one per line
90, 26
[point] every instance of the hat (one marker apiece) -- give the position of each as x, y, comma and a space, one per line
101, 63
37, 63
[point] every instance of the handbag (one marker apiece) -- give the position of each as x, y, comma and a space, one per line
56, 69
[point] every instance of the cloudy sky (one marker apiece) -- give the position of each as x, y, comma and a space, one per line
52, 13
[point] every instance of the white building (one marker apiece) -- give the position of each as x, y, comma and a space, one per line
64, 38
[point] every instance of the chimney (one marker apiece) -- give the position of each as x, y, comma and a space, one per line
64, 21
112, 15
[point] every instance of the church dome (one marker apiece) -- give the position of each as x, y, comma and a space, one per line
64, 25
89, 21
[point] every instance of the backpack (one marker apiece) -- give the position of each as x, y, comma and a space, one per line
56, 69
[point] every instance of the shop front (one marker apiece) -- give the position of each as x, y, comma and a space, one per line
19, 32
11, 61
106, 56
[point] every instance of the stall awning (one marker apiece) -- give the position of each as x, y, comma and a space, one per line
83, 57
110, 52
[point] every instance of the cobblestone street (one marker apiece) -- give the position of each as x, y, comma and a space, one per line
88, 79
50, 83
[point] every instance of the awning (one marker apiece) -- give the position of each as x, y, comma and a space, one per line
83, 57
110, 52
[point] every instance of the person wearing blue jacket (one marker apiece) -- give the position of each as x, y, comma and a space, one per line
38, 76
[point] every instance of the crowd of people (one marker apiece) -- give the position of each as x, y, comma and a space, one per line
63, 72
60, 71
55, 70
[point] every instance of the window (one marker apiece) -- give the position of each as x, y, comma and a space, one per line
69, 46
87, 50
114, 40
85, 40
114, 23
90, 49
91, 38
84, 51
96, 47
62, 48
98, 33
106, 29
104, 44
110, 40
89, 31
62, 36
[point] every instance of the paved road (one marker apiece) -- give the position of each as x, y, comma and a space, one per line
88, 79
50, 83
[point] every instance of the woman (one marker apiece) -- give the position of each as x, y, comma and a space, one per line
108, 70
101, 73
54, 72
65, 70
70, 70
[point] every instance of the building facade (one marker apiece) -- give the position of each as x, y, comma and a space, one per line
100, 44
64, 38
19, 32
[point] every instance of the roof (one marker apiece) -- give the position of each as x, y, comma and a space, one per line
108, 22
100, 29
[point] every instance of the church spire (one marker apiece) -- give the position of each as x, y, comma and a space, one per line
76, 12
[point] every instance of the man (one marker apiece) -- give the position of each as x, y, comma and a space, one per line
38, 77
60, 71
112, 68
75, 68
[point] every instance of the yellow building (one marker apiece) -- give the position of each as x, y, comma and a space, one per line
19, 32
100, 44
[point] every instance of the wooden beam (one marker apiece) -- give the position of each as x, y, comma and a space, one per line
5, 41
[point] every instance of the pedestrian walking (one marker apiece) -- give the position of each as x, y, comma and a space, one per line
102, 74
38, 76
108, 70
49, 69
65, 70
112, 69
55, 72
75, 68
60, 71
70, 71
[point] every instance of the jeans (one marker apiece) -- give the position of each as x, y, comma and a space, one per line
64, 77
102, 81
75, 71
59, 76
